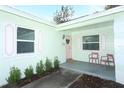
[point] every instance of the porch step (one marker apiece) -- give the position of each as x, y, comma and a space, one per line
70, 60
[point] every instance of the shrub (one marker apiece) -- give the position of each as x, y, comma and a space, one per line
56, 63
29, 72
40, 68
48, 65
15, 75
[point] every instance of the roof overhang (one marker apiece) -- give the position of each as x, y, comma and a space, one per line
104, 16
26, 15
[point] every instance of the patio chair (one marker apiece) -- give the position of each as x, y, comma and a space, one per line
94, 57
107, 60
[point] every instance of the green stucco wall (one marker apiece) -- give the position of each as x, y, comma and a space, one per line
106, 35
48, 43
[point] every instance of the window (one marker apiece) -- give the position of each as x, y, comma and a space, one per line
91, 42
25, 40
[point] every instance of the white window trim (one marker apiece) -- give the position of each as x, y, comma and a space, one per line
90, 43
25, 41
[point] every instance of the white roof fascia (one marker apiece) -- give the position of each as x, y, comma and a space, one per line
88, 22
17, 12
92, 16
63, 25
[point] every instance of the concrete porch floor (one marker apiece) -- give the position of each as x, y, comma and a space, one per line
102, 71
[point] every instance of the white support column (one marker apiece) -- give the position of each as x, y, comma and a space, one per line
119, 47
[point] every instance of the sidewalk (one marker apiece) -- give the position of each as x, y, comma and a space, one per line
58, 79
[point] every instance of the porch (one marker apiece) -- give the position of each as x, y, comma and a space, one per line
102, 71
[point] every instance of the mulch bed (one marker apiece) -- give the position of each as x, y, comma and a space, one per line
87, 81
25, 81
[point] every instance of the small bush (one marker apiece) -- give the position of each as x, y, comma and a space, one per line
48, 65
15, 75
29, 72
56, 63
40, 68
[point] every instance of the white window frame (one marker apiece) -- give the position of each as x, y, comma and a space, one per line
21, 40
91, 42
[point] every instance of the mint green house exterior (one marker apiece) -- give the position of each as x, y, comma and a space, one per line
49, 40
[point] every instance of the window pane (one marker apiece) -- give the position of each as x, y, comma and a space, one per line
93, 38
91, 46
25, 47
25, 34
